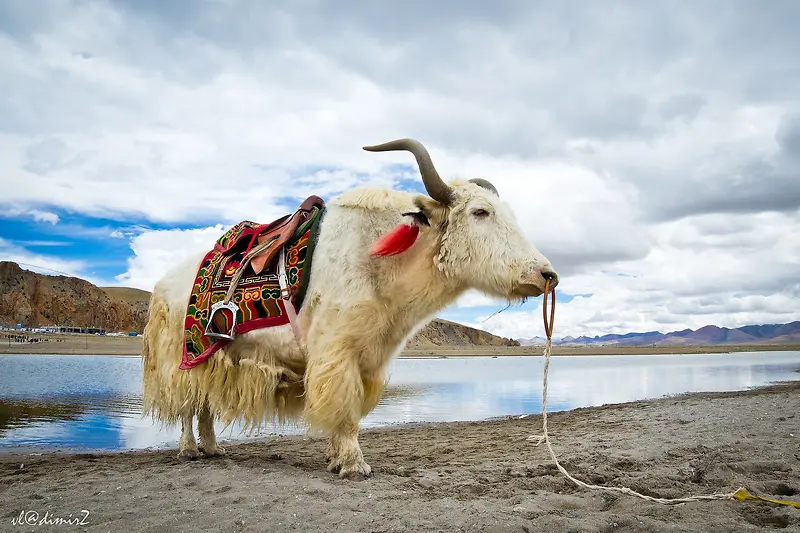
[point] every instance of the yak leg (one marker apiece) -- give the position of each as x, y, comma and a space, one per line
347, 458
208, 437
372, 388
188, 446
334, 400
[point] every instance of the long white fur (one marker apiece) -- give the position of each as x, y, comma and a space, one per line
358, 314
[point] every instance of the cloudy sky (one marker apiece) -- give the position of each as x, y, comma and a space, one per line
650, 149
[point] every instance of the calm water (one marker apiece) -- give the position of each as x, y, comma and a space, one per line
84, 402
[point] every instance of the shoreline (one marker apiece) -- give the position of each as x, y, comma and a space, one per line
81, 344
454, 476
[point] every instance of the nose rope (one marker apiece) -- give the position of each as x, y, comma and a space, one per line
740, 494
548, 326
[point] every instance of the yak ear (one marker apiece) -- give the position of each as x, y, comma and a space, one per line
435, 213
401, 237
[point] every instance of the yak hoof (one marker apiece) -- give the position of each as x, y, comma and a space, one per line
216, 451
185, 456
357, 471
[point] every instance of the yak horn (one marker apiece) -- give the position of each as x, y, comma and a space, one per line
480, 182
436, 187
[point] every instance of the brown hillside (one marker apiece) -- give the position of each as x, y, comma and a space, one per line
127, 294
445, 333
38, 300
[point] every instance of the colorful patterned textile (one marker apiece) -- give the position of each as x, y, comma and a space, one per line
257, 295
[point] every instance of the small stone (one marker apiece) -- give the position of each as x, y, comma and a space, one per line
427, 482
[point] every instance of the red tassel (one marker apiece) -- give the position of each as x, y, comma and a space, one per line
395, 241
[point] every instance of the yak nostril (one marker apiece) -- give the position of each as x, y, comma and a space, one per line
552, 276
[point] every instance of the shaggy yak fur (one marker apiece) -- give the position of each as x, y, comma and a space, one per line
366, 297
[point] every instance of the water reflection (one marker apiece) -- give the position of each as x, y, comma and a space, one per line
88, 402
16, 413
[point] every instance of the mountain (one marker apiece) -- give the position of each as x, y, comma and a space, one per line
707, 335
532, 341
40, 300
127, 294
36, 300
445, 333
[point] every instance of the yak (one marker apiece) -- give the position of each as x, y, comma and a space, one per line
359, 310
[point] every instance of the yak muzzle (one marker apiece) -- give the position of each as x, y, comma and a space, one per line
533, 284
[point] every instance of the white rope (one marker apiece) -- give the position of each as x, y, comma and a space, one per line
544, 437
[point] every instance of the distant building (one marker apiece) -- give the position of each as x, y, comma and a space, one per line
76, 329
60, 329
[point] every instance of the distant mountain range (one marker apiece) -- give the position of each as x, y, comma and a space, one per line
707, 335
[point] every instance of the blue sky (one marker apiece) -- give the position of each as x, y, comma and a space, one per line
651, 150
73, 238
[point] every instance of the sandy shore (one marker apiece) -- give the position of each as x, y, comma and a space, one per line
480, 476
73, 344
95, 345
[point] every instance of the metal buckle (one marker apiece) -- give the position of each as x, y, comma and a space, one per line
283, 280
230, 306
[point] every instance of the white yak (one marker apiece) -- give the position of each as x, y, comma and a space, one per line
358, 312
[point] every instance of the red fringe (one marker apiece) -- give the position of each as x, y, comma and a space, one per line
395, 241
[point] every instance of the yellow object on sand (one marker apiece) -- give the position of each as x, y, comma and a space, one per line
743, 495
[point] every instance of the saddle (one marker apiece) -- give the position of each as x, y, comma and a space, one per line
255, 276
278, 233
271, 238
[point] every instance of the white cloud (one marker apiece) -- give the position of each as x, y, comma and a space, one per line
42, 263
473, 298
155, 252
42, 243
619, 148
575, 216
44, 216
35, 214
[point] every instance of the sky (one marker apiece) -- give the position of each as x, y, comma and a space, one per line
651, 150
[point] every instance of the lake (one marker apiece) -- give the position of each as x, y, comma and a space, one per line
82, 403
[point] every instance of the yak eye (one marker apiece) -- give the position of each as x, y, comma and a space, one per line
480, 213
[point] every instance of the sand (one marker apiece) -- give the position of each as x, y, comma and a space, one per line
78, 344
477, 476
73, 344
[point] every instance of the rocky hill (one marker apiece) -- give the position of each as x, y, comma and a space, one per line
36, 300
445, 333
40, 300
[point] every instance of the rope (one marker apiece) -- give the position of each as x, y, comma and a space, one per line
740, 494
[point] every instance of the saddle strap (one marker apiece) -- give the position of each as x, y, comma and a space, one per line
286, 296
283, 281
239, 271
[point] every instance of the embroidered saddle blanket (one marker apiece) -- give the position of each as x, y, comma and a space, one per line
257, 297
